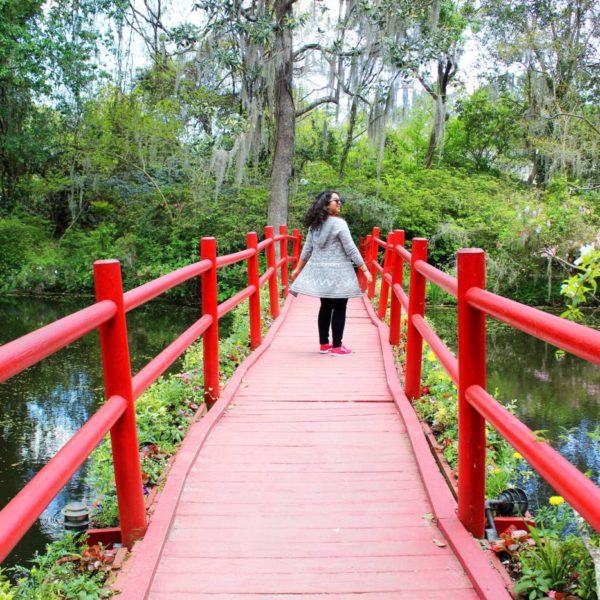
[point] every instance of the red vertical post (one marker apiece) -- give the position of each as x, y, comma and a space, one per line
361, 249
397, 268
272, 262
367, 259
210, 340
254, 300
471, 371
296, 246
373, 257
416, 306
283, 251
385, 286
117, 381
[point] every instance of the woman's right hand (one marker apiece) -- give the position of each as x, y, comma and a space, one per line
295, 274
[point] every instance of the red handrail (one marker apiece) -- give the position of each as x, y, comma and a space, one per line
571, 337
142, 294
468, 370
18, 355
117, 415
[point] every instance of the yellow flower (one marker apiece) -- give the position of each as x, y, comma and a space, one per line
496, 470
556, 500
518, 455
431, 356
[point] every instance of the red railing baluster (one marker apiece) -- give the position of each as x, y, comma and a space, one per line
272, 263
210, 340
367, 258
117, 380
416, 306
253, 279
397, 279
385, 286
359, 273
471, 371
373, 257
283, 251
296, 247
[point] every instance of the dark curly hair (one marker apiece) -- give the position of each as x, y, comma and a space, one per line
317, 212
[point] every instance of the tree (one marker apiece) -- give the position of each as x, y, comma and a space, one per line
45, 66
254, 44
553, 47
485, 129
435, 39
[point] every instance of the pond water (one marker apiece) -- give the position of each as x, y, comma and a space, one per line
46, 404
557, 396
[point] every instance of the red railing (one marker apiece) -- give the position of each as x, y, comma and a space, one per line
475, 404
117, 415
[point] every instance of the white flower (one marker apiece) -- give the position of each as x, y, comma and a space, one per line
583, 252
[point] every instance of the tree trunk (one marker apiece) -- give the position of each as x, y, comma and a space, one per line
349, 136
285, 119
445, 72
436, 138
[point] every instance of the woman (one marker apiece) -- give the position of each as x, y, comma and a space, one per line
329, 255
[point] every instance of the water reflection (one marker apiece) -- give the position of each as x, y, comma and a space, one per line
45, 405
556, 395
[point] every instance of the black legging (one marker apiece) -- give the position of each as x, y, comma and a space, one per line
332, 312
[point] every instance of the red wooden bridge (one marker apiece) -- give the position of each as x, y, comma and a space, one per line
310, 476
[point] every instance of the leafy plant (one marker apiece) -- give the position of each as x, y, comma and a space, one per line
66, 570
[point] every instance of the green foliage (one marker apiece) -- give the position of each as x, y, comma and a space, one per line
61, 572
582, 286
483, 132
20, 241
557, 560
5, 591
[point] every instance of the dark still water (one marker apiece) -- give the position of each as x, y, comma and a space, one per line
41, 408
557, 396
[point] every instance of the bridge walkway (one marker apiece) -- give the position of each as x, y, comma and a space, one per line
301, 483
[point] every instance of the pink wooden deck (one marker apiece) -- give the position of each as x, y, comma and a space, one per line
308, 486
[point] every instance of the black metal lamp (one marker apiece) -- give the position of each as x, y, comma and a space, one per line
511, 502
76, 517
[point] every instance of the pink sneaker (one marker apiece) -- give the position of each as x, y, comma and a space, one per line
341, 351
325, 348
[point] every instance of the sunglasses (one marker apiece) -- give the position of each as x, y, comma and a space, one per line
338, 201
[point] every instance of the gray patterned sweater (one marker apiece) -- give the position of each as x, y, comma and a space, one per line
330, 256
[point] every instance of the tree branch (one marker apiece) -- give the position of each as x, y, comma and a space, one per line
314, 46
314, 105
427, 87
589, 188
584, 119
